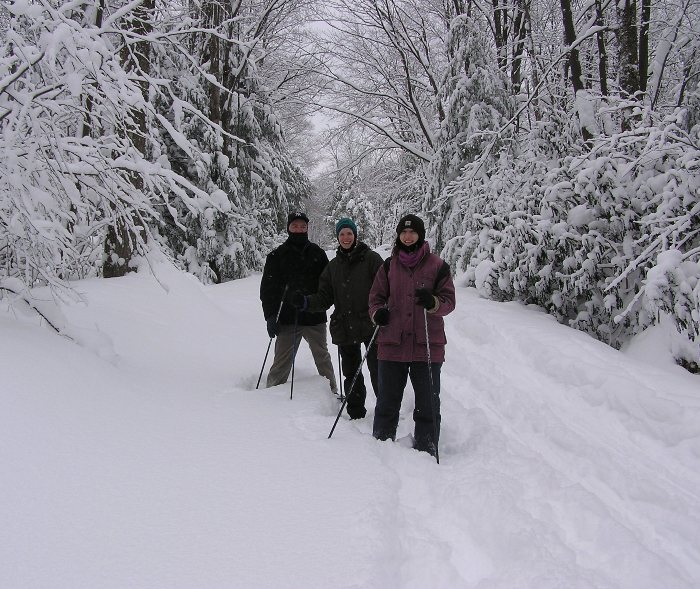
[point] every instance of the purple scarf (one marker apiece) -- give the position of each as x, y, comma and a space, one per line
411, 259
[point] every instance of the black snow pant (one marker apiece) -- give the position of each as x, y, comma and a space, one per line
392, 381
350, 360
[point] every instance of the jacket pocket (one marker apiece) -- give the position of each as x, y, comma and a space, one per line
364, 326
389, 335
436, 331
337, 328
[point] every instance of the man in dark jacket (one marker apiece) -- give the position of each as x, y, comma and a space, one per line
294, 265
345, 283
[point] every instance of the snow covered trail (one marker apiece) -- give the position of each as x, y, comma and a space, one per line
583, 437
590, 438
147, 459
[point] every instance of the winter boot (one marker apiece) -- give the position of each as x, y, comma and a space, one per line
425, 444
356, 411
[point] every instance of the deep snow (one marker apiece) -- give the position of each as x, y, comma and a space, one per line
143, 457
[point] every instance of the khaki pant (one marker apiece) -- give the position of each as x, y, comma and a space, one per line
315, 336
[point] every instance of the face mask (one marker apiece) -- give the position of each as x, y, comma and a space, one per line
298, 238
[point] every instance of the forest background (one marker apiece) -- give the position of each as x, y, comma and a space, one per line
553, 148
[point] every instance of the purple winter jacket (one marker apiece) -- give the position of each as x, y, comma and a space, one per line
403, 339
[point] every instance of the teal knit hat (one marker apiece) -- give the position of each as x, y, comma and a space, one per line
343, 223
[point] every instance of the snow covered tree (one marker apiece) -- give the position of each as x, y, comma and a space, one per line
242, 157
477, 107
350, 201
374, 187
595, 221
378, 63
378, 67
604, 242
669, 247
73, 160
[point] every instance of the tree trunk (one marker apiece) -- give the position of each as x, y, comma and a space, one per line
518, 47
535, 67
213, 15
119, 249
574, 62
644, 45
121, 238
602, 50
628, 68
500, 16
87, 121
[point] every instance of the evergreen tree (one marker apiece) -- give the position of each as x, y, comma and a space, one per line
240, 158
351, 201
476, 105
74, 152
604, 242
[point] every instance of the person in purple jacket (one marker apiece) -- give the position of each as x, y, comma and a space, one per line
413, 287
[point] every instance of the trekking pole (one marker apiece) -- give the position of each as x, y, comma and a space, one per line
294, 351
340, 375
354, 378
279, 311
433, 402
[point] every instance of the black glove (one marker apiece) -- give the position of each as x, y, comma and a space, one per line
298, 300
381, 316
273, 328
425, 298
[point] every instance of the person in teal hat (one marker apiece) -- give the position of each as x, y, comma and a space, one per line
345, 284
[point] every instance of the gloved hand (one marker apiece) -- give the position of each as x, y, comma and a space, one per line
425, 298
381, 316
273, 327
298, 300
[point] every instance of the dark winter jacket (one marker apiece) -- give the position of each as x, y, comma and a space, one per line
345, 283
403, 339
298, 267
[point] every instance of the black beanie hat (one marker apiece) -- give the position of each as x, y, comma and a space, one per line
412, 222
295, 216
